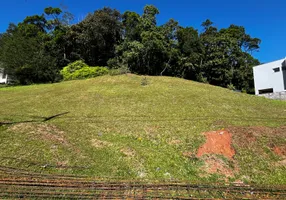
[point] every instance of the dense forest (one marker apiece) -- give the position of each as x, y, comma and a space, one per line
35, 50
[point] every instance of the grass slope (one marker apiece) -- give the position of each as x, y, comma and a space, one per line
118, 128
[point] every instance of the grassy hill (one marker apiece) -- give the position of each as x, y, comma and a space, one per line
117, 128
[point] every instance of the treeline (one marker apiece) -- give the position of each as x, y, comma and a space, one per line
35, 50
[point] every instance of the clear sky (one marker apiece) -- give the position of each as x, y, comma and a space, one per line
265, 19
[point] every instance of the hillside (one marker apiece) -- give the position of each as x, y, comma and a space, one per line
115, 127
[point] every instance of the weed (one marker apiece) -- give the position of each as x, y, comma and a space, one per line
144, 81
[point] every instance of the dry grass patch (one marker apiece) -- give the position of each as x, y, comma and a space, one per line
174, 142
189, 154
128, 152
47, 132
100, 144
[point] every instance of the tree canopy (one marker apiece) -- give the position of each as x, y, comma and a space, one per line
36, 49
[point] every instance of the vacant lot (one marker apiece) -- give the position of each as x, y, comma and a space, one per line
118, 127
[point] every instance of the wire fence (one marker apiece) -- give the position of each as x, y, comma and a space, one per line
16, 183
135, 118
20, 184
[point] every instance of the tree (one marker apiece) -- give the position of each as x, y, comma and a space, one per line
94, 39
145, 46
191, 48
36, 49
149, 17
226, 55
132, 26
26, 49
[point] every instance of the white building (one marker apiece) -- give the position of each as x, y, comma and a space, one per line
3, 77
270, 77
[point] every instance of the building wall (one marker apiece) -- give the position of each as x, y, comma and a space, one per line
266, 78
276, 95
3, 77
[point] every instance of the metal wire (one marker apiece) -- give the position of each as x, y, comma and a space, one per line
20, 185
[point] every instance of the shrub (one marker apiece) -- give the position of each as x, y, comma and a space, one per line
80, 70
89, 72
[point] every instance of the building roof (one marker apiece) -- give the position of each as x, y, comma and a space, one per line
281, 62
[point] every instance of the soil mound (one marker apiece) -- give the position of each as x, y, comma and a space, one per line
218, 142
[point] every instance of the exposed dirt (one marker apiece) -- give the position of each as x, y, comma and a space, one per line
128, 152
218, 142
245, 136
280, 151
254, 138
100, 144
250, 137
215, 165
47, 132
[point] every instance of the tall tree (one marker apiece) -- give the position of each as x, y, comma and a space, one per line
226, 55
145, 47
94, 39
191, 48
38, 47
24, 49
132, 26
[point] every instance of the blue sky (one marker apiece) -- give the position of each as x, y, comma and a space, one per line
265, 19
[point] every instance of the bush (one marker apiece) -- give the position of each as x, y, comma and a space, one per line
89, 72
80, 70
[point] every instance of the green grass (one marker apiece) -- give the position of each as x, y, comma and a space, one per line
118, 128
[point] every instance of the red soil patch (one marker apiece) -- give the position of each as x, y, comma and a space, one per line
218, 142
280, 151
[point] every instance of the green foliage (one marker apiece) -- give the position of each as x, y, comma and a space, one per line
89, 72
72, 67
94, 38
108, 38
80, 70
31, 51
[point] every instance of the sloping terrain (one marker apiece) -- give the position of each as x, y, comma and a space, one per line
157, 128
